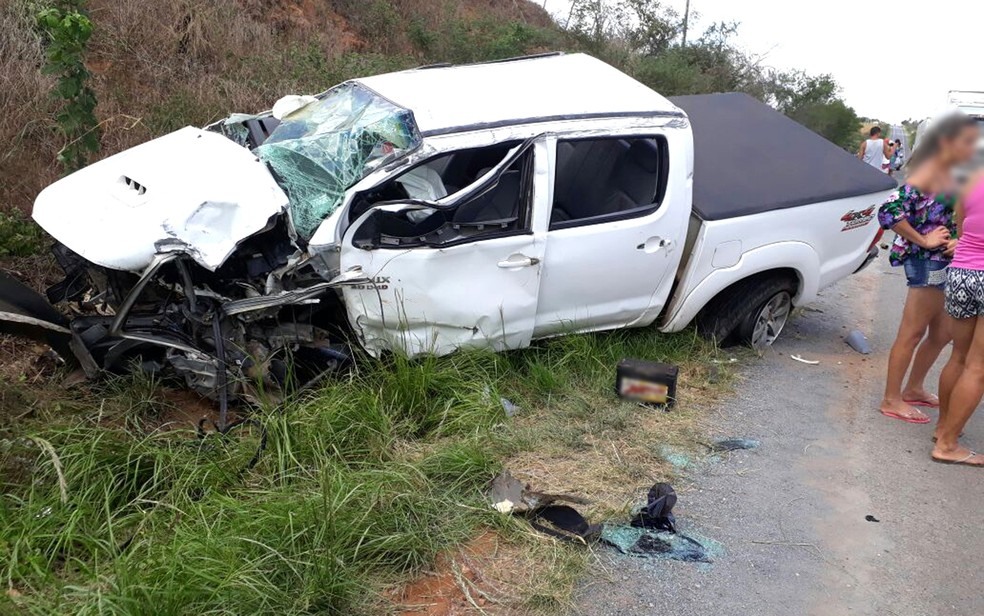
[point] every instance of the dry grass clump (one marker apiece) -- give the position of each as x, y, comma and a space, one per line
26, 111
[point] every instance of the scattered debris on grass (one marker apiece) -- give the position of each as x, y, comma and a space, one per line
508, 407
509, 495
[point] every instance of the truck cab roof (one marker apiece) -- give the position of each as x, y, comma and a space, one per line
550, 87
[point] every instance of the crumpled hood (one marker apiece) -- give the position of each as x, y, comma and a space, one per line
192, 190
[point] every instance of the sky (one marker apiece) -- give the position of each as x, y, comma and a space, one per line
893, 60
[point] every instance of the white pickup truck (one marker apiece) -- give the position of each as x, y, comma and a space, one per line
455, 207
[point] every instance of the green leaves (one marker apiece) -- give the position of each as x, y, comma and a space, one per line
68, 30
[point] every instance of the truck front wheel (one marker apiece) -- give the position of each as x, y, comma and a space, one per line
752, 312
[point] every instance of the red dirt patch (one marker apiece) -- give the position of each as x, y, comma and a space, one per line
458, 584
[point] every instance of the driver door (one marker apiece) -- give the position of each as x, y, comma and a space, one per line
470, 282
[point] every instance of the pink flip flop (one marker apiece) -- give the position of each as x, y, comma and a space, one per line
913, 420
923, 403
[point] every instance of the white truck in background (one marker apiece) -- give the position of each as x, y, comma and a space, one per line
430, 210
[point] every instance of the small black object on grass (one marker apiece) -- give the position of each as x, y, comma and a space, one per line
871, 518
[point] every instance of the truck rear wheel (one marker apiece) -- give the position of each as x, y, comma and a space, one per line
752, 312
761, 327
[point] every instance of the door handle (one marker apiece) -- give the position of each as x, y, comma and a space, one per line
515, 261
653, 244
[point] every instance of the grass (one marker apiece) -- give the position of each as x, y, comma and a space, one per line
363, 483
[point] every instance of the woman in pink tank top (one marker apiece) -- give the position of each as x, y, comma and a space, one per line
962, 380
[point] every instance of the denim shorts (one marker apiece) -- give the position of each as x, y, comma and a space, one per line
921, 273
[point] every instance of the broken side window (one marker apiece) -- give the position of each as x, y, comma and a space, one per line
323, 148
436, 178
453, 198
599, 180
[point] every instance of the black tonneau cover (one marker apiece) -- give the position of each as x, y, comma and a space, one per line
750, 158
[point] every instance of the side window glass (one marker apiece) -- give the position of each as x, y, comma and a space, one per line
440, 212
599, 180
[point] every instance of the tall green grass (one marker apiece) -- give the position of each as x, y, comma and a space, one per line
363, 482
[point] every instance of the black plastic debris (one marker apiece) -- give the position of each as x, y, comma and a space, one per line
509, 495
658, 510
648, 382
734, 444
26, 313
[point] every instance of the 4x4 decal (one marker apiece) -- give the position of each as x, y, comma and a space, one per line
854, 219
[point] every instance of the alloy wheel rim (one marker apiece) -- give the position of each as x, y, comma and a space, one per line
771, 319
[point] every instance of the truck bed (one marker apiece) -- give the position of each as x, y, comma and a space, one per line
750, 158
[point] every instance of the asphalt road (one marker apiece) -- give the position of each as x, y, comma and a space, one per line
791, 514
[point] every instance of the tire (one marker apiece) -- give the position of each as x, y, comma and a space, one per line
732, 317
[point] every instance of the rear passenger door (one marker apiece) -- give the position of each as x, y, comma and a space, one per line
613, 243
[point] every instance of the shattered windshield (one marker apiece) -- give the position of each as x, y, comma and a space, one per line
323, 148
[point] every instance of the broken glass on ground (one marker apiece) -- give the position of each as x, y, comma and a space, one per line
321, 149
644, 542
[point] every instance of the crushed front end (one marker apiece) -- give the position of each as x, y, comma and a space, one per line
188, 254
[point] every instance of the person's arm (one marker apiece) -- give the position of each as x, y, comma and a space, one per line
887, 149
894, 215
934, 239
864, 144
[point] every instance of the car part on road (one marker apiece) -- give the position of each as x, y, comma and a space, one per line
808, 362
734, 444
658, 510
858, 342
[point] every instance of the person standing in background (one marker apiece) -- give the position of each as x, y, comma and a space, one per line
921, 213
895, 161
962, 379
875, 149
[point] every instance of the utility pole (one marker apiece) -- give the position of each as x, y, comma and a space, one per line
686, 18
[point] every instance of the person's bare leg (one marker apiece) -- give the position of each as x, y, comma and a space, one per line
962, 402
962, 331
919, 310
926, 355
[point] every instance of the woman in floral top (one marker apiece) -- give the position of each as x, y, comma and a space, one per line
921, 213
